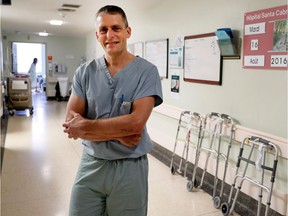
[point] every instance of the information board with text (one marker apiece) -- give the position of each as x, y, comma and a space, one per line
265, 41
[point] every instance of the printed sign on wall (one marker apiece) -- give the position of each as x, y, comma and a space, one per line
265, 42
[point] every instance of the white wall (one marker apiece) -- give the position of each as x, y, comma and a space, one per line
255, 98
91, 46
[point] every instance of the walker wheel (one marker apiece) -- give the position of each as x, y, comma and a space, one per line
11, 112
225, 208
173, 170
189, 186
196, 183
217, 202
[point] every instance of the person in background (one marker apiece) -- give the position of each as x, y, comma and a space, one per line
112, 98
32, 73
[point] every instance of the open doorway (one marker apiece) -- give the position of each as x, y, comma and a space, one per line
22, 58
23, 55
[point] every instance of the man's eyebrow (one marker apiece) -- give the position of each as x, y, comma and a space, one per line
112, 26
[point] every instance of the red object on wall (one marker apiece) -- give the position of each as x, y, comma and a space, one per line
265, 40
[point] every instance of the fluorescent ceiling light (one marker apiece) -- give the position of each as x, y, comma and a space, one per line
56, 22
43, 34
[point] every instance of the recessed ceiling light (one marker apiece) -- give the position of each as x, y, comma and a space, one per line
43, 34
56, 22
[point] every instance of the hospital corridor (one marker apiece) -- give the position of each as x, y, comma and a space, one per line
40, 163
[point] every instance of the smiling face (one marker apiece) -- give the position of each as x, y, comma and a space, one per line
112, 33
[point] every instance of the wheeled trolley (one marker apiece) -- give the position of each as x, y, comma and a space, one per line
259, 146
189, 122
19, 94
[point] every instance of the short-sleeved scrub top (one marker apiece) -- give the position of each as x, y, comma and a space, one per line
108, 97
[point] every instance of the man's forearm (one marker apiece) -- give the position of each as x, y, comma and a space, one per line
107, 129
120, 127
93, 130
100, 129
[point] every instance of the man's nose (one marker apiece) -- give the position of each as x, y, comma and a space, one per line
110, 33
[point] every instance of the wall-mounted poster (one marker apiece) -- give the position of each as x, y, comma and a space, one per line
175, 83
157, 53
176, 57
265, 41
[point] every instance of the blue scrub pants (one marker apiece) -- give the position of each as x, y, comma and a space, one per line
110, 187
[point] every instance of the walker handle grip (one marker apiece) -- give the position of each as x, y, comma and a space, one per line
214, 114
196, 115
185, 112
259, 139
225, 116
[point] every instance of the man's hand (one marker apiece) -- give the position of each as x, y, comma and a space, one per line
74, 126
130, 141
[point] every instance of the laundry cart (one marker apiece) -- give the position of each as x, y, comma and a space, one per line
19, 94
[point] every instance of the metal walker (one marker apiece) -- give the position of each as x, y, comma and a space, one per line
210, 126
261, 165
216, 127
226, 130
191, 122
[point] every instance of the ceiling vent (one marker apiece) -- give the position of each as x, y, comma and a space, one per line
69, 8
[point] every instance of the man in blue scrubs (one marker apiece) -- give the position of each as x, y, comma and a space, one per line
111, 101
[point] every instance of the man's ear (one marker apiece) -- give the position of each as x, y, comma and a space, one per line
128, 29
97, 36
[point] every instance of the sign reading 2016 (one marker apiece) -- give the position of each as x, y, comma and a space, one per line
265, 42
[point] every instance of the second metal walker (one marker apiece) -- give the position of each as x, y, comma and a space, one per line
261, 165
216, 127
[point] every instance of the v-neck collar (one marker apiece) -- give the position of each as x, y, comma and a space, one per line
107, 73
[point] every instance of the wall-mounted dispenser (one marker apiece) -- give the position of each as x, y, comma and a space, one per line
226, 43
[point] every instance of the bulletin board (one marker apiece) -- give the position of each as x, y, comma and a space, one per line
202, 59
137, 49
265, 41
156, 52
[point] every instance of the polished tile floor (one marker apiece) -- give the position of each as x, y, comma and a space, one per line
40, 163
